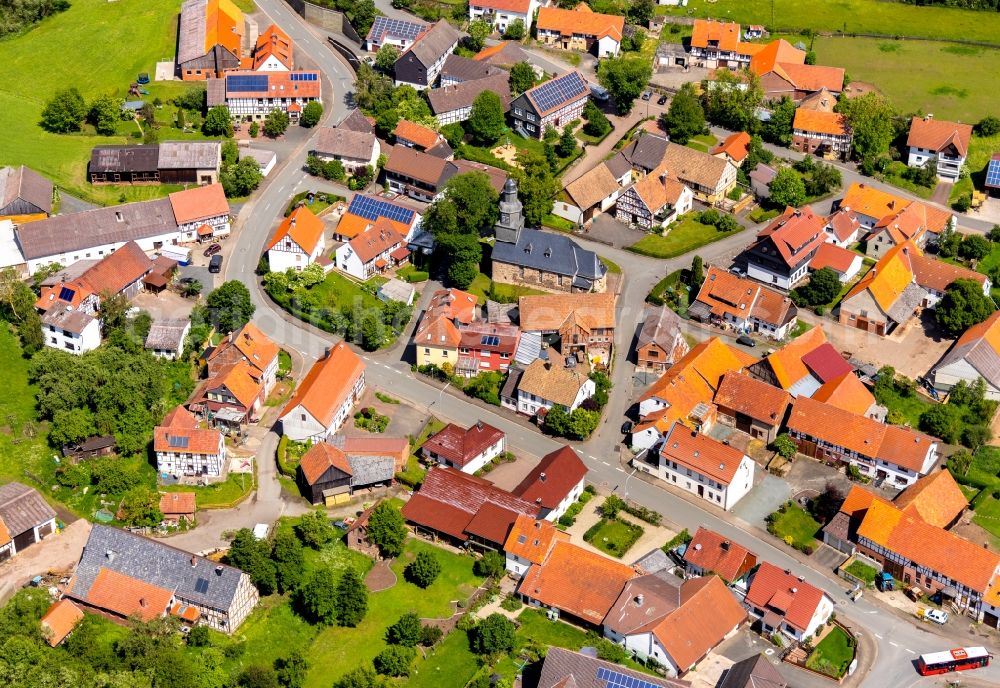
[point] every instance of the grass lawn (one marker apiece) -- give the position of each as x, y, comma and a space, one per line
683, 236
559, 223
613, 536
60, 52
484, 288
220, 494
863, 571
857, 16
337, 291
410, 274
980, 151
955, 80
894, 175
987, 516
451, 663
794, 523
702, 142
909, 407
801, 327
24, 453
833, 654
612, 266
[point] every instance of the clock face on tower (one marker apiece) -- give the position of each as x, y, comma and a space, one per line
505, 218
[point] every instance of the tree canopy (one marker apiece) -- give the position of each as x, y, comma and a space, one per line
685, 118
522, 77
276, 123
218, 122
624, 78
871, 120
467, 209
486, 121
351, 602
312, 113
731, 101
387, 529
493, 635
962, 306
822, 288
64, 111
788, 188
229, 306
423, 570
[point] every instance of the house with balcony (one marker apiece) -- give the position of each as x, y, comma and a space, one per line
940, 143
784, 248
372, 252
717, 44
486, 347
467, 449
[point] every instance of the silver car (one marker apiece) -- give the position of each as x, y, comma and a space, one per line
936, 615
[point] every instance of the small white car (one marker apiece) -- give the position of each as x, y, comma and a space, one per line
936, 615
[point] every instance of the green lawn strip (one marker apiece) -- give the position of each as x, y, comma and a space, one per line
794, 522
220, 494
833, 654
133, 36
954, 83
479, 287
558, 223
853, 16
613, 536
410, 274
536, 628
894, 176
801, 327
910, 407
510, 293
24, 456
284, 362
273, 630
612, 266
702, 142
683, 236
451, 663
863, 571
987, 516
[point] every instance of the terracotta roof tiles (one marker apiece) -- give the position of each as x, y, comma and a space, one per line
709, 457
532, 539
328, 384
818, 122
772, 587
302, 227
553, 478
580, 21
725, 34
179, 503
938, 134
126, 596
199, 203
460, 446
747, 395
712, 552
60, 620
936, 498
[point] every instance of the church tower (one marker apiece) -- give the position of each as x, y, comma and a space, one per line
508, 227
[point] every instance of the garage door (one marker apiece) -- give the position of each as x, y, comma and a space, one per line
991, 620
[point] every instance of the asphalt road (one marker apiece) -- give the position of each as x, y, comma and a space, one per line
899, 641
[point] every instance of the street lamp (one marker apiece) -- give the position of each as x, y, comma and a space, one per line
440, 394
629, 477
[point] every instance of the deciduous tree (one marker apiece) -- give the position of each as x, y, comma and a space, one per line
406, 631
478, 30
315, 530
253, 556
275, 123
731, 101
229, 306
385, 58
624, 78
387, 529
486, 121
218, 122
351, 599
312, 113
105, 113
515, 30
64, 111
962, 306
423, 570
871, 120
787, 188
394, 660
318, 597
685, 118
522, 77
493, 635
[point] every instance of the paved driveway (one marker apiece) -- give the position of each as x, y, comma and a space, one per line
55, 553
765, 497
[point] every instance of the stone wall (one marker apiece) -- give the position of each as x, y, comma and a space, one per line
325, 18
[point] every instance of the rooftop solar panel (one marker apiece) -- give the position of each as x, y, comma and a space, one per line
201, 586
553, 93
490, 340
993, 174
374, 208
179, 442
397, 28
66, 294
302, 76
246, 83
617, 679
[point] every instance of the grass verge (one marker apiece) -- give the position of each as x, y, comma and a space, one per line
683, 236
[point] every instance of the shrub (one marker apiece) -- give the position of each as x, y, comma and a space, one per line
423, 570
490, 565
493, 635
785, 445
511, 603
407, 631
394, 660
430, 635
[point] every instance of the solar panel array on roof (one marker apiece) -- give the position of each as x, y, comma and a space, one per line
246, 83
179, 442
490, 340
616, 679
993, 174
303, 76
201, 586
396, 28
553, 93
66, 294
374, 208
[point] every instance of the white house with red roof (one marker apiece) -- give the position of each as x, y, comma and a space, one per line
502, 13
780, 256
324, 399
372, 251
936, 139
555, 483
467, 449
785, 603
255, 94
183, 448
298, 241
696, 463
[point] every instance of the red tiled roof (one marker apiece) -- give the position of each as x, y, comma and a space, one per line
304, 228
577, 581
735, 146
532, 539
834, 257
422, 136
936, 498
938, 134
177, 503
460, 446
748, 395
580, 20
792, 597
281, 85
701, 453
846, 392
818, 122
126, 596
553, 478
514, 6
381, 237
713, 552
709, 612
319, 458
795, 233
179, 433
328, 384
112, 273
60, 619
826, 363
727, 34
275, 42
199, 203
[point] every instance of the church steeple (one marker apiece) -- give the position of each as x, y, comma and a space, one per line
511, 222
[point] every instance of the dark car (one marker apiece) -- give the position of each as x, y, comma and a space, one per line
627, 427
746, 341
212, 249
646, 95
215, 265
186, 280
662, 100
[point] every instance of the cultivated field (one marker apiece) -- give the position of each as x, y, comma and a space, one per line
852, 16
98, 47
955, 82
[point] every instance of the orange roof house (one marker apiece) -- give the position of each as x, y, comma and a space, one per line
817, 122
578, 582
531, 540
302, 228
554, 23
199, 204
786, 602
849, 393
326, 395
416, 135
210, 38
783, 72
939, 137
60, 620
870, 204
124, 596
725, 297
936, 498
842, 261
709, 552
734, 147
177, 505
741, 397
273, 51
722, 36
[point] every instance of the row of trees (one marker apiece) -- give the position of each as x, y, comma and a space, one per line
66, 112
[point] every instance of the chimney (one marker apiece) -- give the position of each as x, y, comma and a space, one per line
639, 599
110, 555
929, 116
142, 602
541, 476
194, 561
794, 590
725, 545
892, 204
326, 352
292, 223
479, 424
218, 570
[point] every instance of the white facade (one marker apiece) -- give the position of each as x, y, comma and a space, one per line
300, 424
894, 474
948, 166
645, 438
350, 262
189, 463
172, 354
478, 461
529, 404
516, 565
947, 376
724, 495
566, 502
272, 64
288, 254
260, 108
39, 532
353, 165
501, 19
607, 47
87, 339
762, 274
820, 616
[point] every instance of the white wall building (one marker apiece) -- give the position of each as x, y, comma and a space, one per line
298, 242
326, 397
502, 13
698, 464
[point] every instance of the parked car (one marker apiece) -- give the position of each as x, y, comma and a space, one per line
746, 341
646, 95
936, 615
215, 265
738, 271
186, 280
662, 100
212, 249
627, 427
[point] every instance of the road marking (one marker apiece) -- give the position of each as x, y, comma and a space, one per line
619, 469
605, 463
893, 644
909, 650
878, 636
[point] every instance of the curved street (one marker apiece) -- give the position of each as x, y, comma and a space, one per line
898, 640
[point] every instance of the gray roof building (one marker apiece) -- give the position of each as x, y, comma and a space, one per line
568, 669
167, 335
461, 95
618, 166
355, 120
457, 68
142, 158
368, 470
753, 672
177, 155
661, 327
24, 192
434, 44
22, 509
646, 153
553, 253
223, 594
345, 143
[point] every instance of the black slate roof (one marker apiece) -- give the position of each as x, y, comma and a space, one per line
22, 508
193, 579
553, 253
